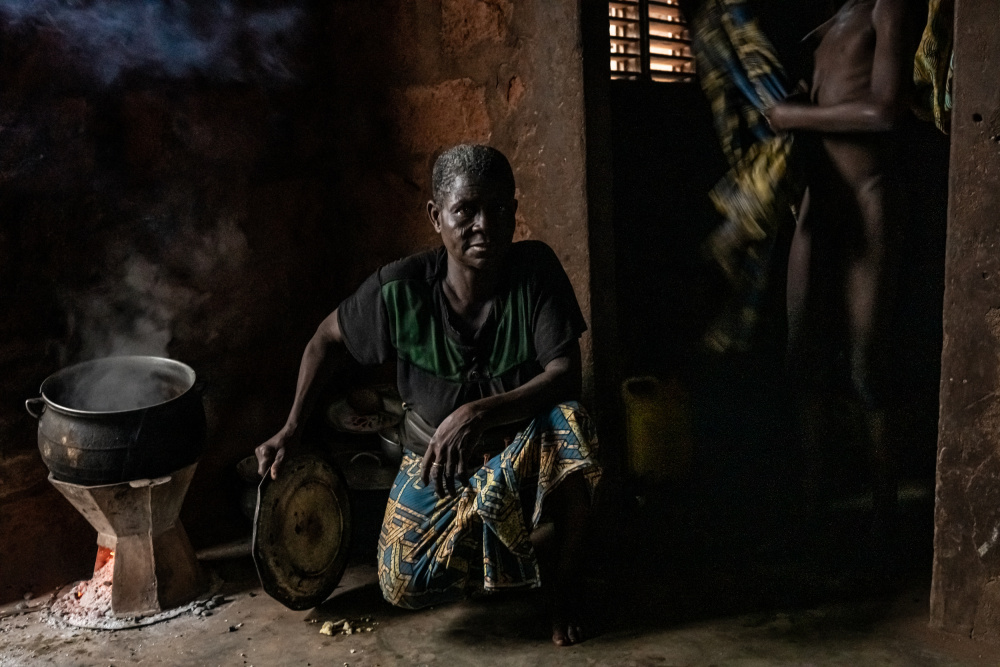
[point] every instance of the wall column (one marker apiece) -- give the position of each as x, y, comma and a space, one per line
965, 593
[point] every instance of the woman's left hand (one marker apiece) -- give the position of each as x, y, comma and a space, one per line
446, 461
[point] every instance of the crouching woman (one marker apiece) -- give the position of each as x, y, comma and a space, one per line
499, 468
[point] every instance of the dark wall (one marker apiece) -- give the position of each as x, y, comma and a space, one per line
665, 159
208, 181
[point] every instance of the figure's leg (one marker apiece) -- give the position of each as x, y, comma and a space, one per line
558, 546
553, 459
868, 286
432, 550
797, 288
803, 358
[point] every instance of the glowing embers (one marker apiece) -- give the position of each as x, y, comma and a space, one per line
88, 603
145, 566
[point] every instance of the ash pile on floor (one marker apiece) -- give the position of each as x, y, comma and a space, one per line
87, 604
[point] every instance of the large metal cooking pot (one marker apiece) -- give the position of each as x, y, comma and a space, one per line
118, 419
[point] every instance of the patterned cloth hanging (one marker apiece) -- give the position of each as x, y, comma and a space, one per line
934, 65
741, 76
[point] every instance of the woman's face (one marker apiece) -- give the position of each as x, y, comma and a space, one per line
475, 221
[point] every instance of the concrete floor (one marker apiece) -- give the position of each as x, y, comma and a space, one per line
662, 597
505, 630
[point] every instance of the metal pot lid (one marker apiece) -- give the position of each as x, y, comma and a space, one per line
302, 532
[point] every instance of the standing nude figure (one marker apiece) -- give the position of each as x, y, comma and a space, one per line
840, 263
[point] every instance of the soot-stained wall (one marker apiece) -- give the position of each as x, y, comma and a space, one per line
206, 181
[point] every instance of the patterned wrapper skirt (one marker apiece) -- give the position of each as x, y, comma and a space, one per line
435, 550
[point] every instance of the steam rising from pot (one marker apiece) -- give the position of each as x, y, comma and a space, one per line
141, 304
118, 388
145, 298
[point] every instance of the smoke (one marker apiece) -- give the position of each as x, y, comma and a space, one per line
139, 306
216, 39
143, 303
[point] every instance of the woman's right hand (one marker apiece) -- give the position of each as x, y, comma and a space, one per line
272, 453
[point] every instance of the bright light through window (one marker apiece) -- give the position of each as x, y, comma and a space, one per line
649, 41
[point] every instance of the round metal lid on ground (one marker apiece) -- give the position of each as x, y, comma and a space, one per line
302, 532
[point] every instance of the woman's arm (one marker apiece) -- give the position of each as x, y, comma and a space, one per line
447, 454
324, 353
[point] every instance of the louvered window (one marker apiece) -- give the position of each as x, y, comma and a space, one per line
649, 41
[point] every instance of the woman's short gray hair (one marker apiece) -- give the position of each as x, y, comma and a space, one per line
477, 162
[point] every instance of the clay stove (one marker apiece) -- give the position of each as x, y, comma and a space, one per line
121, 438
137, 525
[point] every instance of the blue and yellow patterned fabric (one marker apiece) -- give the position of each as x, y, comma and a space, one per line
741, 76
434, 550
934, 65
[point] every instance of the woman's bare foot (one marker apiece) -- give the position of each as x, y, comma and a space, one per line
566, 610
558, 547
566, 634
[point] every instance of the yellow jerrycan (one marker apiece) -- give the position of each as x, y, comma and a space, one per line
657, 429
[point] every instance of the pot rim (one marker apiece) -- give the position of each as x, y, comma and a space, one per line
151, 359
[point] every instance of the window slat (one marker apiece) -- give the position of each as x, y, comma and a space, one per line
659, 61
649, 40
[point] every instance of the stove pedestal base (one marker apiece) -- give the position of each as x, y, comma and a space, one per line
155, 567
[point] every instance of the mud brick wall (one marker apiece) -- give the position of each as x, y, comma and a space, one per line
965, 593
212, 179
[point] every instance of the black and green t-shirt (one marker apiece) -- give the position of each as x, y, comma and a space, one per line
401, 312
